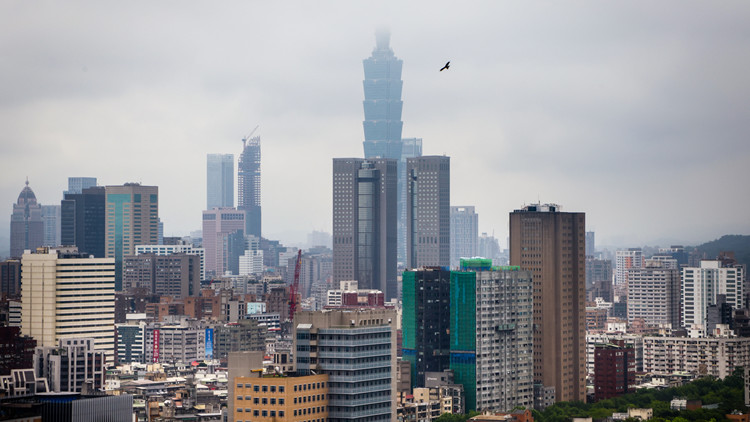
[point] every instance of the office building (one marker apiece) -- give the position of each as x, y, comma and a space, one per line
10, 278
491, 335
364, 223
489, 248
219, 181
281, 399
51, 219
464, 234
176, 248
175, 341
243, 335
624, 261
425, 328
590, 244
551, 244
66, 294
248, 185
428, 195
410, 148
131, 339
654, 294
356, 348
219, 224
615, 370
26, 224
83, 219
71, 364
176, 275
78, 184
132, 219
701, 286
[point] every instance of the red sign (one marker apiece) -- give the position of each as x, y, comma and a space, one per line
156, 346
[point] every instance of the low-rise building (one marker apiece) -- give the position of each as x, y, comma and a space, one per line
715, 356
280, 398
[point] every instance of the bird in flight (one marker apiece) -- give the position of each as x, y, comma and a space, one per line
447, 66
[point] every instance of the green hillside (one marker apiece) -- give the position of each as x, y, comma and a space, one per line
739, 244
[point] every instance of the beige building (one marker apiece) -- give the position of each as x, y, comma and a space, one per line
715, 356
551, 244
280, 398
68, 295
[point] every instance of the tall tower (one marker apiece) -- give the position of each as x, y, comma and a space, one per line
83, 220
551, 244
248, 185
132, 219
428, 196
26, 224
78, 184
219, 181
364, 223
464, 234
221, 227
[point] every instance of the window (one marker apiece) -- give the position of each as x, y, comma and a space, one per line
265, 413
281, 401
281, 389
273, 401
265, 388
255, 413
281, 413
256, 388
265, 400
256, 401
273, 388
273, 414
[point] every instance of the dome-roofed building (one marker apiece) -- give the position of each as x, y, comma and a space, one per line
26, 225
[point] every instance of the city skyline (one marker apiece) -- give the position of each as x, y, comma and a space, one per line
532, 103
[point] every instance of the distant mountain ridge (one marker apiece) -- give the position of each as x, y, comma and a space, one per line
737, 243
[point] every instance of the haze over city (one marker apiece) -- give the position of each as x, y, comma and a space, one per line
634, 113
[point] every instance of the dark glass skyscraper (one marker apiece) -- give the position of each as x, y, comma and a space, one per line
248, 185
82, 221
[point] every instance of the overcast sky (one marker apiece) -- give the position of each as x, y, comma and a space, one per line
634, 112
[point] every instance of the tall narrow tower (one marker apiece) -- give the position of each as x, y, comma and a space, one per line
551, 244
428, 225
26, 224
219, 181
248, 185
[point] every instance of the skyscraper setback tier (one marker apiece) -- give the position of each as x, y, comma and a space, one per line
428, 196
248, 185
551, 244
364, 223
382, 104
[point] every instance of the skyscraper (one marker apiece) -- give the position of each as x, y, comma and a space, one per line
624, 261
67, 294
248, 185
220, 227
51, 219
83, 221
702, 285
78, 184
654, 293
551, 244
412, 147
219, 181
364, 223
464, 234
428, 196
132, 219
26, 224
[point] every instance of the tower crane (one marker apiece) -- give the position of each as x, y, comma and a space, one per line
246, 137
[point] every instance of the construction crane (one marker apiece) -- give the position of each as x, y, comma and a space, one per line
246, 137
294, 288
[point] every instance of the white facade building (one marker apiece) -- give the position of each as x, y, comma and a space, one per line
715, 356
625, 260
701, 285
172, 249
654, 293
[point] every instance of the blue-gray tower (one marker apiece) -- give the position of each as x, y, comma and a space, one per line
383, 103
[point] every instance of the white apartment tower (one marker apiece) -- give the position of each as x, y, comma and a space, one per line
625, 260
654, 293
464, 234
68, 295
701, 285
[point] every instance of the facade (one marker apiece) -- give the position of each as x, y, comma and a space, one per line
464, 234
624, 261
248, 186
132, 219
701, 286
714, 356
71, 364
68, 295
175, 249
281, 399
10, 278
654, 294
489, 247
491, 334
551, 244
598, 270
615, 370
428, 195
425, 327
410, 148
634, 341
78, 184
175, 342
356, 348
219, 224
16, 351
51, 219
26, 224
131, 340
176, 275
219, 181
244, 335
83, 221
364, 223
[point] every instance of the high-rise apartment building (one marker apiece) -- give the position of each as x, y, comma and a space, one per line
248, 185
83, 220
51, 219
428, 195
132, 218
66, 294
701, 286
491, 334
624, 261
176, 275
219, 181
222, 227
176, 249
615, 370
654, 294
551, 244
356, 348
464, 234
364, 223
26, 224
78, 184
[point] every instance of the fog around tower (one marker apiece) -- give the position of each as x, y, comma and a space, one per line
635, 113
